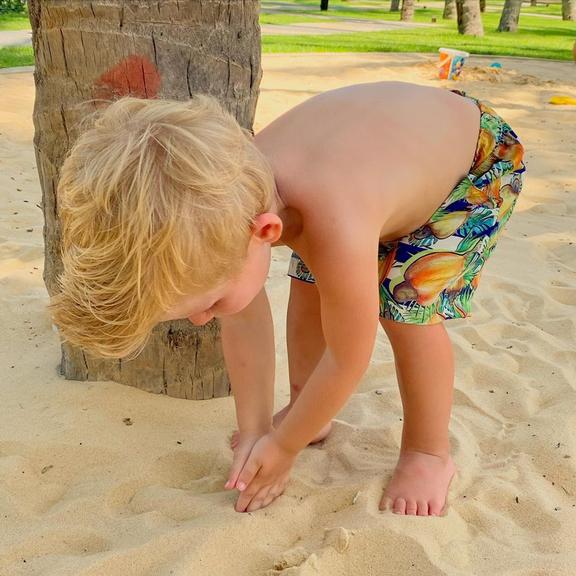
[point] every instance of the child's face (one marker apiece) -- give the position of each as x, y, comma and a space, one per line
235, 294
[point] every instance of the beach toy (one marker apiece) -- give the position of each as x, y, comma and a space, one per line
451, 63
495, 65
563, 100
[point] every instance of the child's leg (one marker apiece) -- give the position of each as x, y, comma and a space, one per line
304, 338
304, 341
425, 371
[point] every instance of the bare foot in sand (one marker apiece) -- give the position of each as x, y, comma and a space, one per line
419, 485
277, 418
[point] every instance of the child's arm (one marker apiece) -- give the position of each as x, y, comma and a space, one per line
249, 353
347, 280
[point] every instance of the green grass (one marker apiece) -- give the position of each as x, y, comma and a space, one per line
11, 21
13, 56
422, 40
537, 37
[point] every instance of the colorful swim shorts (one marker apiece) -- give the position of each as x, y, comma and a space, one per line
431, 274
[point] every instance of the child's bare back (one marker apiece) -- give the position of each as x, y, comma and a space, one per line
385, 154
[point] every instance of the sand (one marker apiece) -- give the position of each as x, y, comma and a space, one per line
84, 494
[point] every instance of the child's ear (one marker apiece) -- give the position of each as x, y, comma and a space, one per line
267, 227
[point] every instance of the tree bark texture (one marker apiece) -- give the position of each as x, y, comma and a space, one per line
510, 16
449, 10
147, 49
568, 9
469, 19
407, 14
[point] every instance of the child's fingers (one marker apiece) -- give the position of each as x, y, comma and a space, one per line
246, 497
240, 457
247, 473
258, 500
258, 496
266, 496
272, 495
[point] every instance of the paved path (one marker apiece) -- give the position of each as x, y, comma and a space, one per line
338, 27
15, 37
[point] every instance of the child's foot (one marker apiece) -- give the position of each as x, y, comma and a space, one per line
419, 485
276, 419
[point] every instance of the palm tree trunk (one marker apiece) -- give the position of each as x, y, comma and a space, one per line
395, 6
407, 10
469, 19
568, 9
510, 16
170, 49
449, 10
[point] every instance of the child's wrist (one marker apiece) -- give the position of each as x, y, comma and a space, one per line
283, 443
256, 431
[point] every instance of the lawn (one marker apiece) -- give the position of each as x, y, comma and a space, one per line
536, 38
14, 22
542, 34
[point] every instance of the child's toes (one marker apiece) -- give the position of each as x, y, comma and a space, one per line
423, 508
399, 506
411, 508
385, 503
435, 508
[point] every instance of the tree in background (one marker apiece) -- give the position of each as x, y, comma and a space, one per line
144, 49
469, 19
510, 16
568, 9
407, 13
449, 10
395, 6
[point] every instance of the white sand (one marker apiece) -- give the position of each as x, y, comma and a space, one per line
81, 493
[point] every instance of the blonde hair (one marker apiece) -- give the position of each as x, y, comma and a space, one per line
156, 201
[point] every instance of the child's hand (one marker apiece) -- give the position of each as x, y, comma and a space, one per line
264, 475
243, 447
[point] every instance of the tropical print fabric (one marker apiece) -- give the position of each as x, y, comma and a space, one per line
432, 274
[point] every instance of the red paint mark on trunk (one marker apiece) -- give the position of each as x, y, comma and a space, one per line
134, 76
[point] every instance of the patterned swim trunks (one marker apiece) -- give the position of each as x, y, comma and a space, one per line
431, 274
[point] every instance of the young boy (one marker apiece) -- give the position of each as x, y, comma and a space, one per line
392, 197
